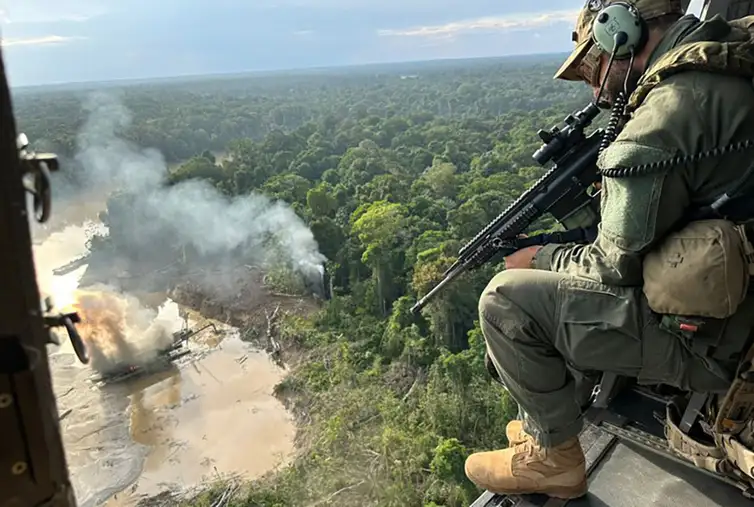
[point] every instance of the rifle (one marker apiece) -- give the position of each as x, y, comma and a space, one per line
562, 191
33, 469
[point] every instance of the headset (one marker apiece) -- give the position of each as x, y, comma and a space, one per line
618, 29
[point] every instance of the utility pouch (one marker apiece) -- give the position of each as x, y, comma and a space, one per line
701, 270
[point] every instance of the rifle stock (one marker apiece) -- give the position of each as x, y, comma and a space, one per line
561, 191
33, 467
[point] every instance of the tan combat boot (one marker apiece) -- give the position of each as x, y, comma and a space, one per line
528, 468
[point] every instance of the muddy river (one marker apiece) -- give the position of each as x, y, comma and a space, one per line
210, 415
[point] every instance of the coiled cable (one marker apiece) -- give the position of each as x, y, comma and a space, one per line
617, 113
659, 165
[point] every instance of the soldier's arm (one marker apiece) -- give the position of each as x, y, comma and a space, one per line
637, 211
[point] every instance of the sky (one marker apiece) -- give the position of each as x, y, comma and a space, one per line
59, 41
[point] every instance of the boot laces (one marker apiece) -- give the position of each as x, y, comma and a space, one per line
527, 447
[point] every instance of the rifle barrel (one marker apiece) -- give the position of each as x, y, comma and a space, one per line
449, 277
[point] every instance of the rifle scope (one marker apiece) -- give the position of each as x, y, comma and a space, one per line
558, 142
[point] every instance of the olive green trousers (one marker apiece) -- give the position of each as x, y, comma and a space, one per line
549, 335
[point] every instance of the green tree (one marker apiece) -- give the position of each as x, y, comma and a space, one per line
377, 226
321, 200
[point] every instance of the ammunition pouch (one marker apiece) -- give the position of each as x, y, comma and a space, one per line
700, 451
701, 270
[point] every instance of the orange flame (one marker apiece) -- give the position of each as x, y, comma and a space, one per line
118, 330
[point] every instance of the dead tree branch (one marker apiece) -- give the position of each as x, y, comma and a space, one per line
273, 346
341, 490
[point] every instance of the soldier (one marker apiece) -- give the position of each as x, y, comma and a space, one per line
560, 311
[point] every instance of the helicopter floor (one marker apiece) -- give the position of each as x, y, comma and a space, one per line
633, 470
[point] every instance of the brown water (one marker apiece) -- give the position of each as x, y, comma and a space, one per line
212, 413
214, 416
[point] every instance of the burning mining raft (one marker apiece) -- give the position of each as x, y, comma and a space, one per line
164, 359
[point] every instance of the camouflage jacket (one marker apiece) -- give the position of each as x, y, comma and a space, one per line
683, 113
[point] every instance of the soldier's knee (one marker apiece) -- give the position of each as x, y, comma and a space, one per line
498, 295
516, 295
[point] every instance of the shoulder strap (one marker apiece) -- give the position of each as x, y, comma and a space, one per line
729, 57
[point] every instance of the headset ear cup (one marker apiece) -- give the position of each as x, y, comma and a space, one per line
619, 17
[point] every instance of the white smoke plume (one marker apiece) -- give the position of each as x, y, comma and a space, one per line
154, 219
109, 161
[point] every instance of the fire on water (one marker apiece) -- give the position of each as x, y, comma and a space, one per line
116, 327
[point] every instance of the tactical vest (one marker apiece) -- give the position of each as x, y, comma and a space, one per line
726, 444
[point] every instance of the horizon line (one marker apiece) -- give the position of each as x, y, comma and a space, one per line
276, 70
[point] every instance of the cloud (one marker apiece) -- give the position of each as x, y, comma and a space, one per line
520, 21
36, 41
23, 12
